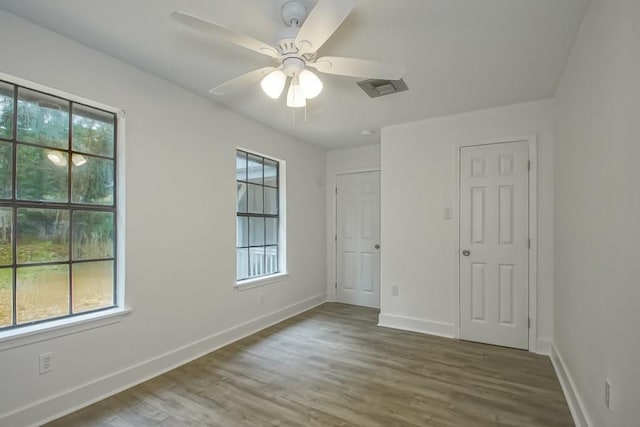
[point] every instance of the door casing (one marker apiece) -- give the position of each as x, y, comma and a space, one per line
533, 231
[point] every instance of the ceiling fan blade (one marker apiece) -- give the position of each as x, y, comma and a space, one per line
241, 81
358, 68
323, 20
223, 33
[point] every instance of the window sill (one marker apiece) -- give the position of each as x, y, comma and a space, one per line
260, 281
57, 328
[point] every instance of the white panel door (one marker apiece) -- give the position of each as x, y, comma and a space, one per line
358, 239
494, 244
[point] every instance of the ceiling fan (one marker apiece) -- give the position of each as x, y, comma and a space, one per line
295, 49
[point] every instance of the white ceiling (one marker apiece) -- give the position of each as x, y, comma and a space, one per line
460, 55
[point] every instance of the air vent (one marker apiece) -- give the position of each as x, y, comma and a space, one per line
375, 88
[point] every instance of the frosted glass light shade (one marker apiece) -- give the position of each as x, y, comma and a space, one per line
310, 83
295, 96
273, 83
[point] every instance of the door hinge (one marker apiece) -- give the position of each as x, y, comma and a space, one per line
335, 237
529, 323
529, 244
336, 190
335, 285
529, 165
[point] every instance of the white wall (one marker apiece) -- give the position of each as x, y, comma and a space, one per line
180, 243
419, 246
597, 296
338, 162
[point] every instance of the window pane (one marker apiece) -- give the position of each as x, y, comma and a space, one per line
92, 235
256, 232
255, 169
255, 198
261, 197
270, 200
42, 174
92, 285
91, 180
93, 131
43, 235
242, 264
256, 262
6, 169
43, 119
6, 219
270, 173
6, 297
271, 259
241, 166
272, 231
6, 111
242, 231
241, 198
42, 292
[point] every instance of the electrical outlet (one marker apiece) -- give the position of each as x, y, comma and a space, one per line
46, 363
607, 394
395, 290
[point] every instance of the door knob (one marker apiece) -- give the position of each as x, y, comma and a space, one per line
466, 252
377, 246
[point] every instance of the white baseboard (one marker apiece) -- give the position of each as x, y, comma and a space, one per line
543, 346
576, 404
71, 400
416, 325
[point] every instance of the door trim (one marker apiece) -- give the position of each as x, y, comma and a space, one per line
332, 292
532, 141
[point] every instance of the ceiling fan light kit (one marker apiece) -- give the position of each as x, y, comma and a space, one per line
310, 83
295, 95
273, 83
304, 84
296, 49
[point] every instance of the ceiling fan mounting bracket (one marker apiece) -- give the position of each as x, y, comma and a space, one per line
293, 13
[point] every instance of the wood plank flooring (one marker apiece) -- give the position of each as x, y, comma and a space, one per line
332, 366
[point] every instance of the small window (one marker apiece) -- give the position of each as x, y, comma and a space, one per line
258, 224
57, 207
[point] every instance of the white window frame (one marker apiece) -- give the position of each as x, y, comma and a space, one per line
282, 228
50, 329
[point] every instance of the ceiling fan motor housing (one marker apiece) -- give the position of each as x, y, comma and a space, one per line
285, 42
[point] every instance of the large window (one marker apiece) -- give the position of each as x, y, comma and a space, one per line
57, 207
258, 216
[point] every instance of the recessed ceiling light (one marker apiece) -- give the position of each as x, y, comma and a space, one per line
368, 132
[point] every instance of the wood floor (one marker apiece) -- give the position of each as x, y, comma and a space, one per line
332, 366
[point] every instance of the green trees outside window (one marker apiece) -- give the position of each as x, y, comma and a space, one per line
57, 207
